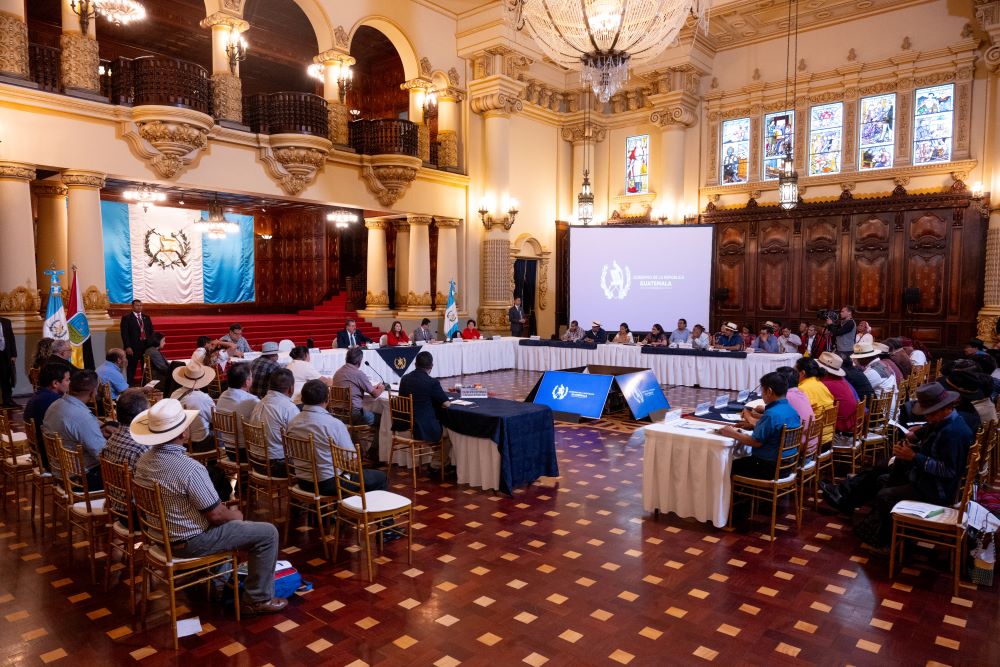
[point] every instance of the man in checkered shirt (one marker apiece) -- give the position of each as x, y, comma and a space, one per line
197, 521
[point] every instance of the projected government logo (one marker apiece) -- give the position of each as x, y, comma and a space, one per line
560, 391
616, 281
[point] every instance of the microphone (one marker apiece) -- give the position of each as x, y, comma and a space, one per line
388, 387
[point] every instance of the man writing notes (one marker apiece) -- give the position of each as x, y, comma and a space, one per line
518, 322
136, 330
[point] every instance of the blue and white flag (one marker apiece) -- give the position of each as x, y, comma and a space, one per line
55, 316
451, 313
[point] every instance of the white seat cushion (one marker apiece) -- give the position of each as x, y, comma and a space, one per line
161, 558
18, 437
96, 508
874, 437
947, 515
23, 461
377, 501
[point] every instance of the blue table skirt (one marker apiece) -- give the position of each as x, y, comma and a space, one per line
524, 433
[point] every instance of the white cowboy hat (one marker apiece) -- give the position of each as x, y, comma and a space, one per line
831, 363
731, 326
193, 375
596, 323
161, 423
864, 350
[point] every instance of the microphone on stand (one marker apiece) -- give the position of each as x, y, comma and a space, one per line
388, 387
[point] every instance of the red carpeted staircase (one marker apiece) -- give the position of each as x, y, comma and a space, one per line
320, 323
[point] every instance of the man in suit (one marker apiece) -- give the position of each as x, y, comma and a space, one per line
518, 321
350, 336
8, 363
423, 332
428, 398
813, 343
137, 331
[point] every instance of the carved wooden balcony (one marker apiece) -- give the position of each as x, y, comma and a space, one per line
287, 113
159, 81
384, 136
43, 67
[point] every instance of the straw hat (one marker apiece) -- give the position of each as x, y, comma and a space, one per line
269, 347
595, 323
193, 375
162, 423
731, 326
831, 363
864, 350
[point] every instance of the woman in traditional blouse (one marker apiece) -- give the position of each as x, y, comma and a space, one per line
656, 336
624, 336
864, 333
396, 335
470, 332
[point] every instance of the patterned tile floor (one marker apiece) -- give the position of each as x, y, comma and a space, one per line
568, 572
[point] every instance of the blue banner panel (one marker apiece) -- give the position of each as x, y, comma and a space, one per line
117, 251
579, 393
227, 264
642, 393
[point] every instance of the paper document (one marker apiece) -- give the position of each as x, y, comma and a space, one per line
188, 626
730, 417
921, 510
459, 401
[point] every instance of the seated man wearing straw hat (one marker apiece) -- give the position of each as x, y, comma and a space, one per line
190, 378
730, 338
595, 334
927, 467
199, 523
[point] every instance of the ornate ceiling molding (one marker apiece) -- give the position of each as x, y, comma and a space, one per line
17, 171
578, 132
222, 18
496, 95
168, 139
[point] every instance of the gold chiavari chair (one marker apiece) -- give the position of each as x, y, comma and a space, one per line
41, 479
401, 413
301, 454
877, 436
124, 536
339, 405
160, 564
261, 481
785, 481
87, 511
33, 374
848, 452
15, 465
809, 470
824, 459
60, 494
369, 512
232, 458
107, 404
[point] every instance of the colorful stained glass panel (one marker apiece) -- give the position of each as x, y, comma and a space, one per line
779, 130
878, 132
932, 124
637, 164
735, 150
826, 135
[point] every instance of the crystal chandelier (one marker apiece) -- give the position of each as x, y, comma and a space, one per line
604, 37
145, 195
342, 219
215, 225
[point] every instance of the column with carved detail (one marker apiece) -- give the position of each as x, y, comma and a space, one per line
447, 259
19, 297
418, 297
583, 138
673, 122
13, 42
227, 89
449, 124
418, 89
377, 280
85, 242
989, 16
79, 58
402, 262
53, 228
336, 63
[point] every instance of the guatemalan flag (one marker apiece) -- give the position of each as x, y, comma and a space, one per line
79, 328
55, 316
451, 313
159, 256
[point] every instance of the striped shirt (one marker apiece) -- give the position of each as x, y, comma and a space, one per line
186, 489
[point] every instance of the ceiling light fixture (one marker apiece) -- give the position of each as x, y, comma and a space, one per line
342, 219
145, 195
119, 12
215, 224
788, 180
604, 38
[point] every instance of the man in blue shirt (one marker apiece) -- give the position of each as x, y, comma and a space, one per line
681, 333
729, 339
53, 382
76, 424
766, 341
765, 441
112, 371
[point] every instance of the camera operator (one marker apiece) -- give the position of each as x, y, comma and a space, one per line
843, 330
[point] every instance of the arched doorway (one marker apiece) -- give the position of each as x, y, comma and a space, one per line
378, 74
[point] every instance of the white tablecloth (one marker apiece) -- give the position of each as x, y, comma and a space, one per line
686, 471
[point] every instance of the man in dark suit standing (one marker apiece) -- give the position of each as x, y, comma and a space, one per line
8, 363
428, 398
350, 336
517, 318
137, 331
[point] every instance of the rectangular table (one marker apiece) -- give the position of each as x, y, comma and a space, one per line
686, 470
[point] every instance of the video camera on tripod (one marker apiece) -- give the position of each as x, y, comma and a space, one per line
827, 314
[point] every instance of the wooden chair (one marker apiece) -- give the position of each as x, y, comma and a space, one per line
40, 478
369, 511
301, 455
33, 374
937, 367
60, 495
15, 464
261, 482
824, 459
147, 373
107, 404
986, 453
943, 527
877, 436
812, 435
87, 511
227, 447
401, 413
339, 405
159, 562
849, 453
785, 481
124, 536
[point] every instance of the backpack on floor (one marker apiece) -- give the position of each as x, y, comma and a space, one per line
287, 581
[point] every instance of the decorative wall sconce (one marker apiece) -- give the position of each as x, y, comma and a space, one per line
489, 220
342, 74
236, 49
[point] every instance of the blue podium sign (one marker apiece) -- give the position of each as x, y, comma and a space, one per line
580, 393
642, 393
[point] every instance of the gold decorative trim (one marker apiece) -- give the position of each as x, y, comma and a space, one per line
169, 139
388, 177
79, 61
83, 179
448, 148
227, 97
94, 299
17, 171
228, 20
20, 300
48, 189
416, 300
379, 299
13, 45
293, 160
493, 320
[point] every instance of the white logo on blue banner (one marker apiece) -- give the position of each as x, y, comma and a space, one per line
617, 281
560, 391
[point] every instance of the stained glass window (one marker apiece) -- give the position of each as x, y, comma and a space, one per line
778, 132
878, 123
826, 134
735, 150
932, 124
637, 165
